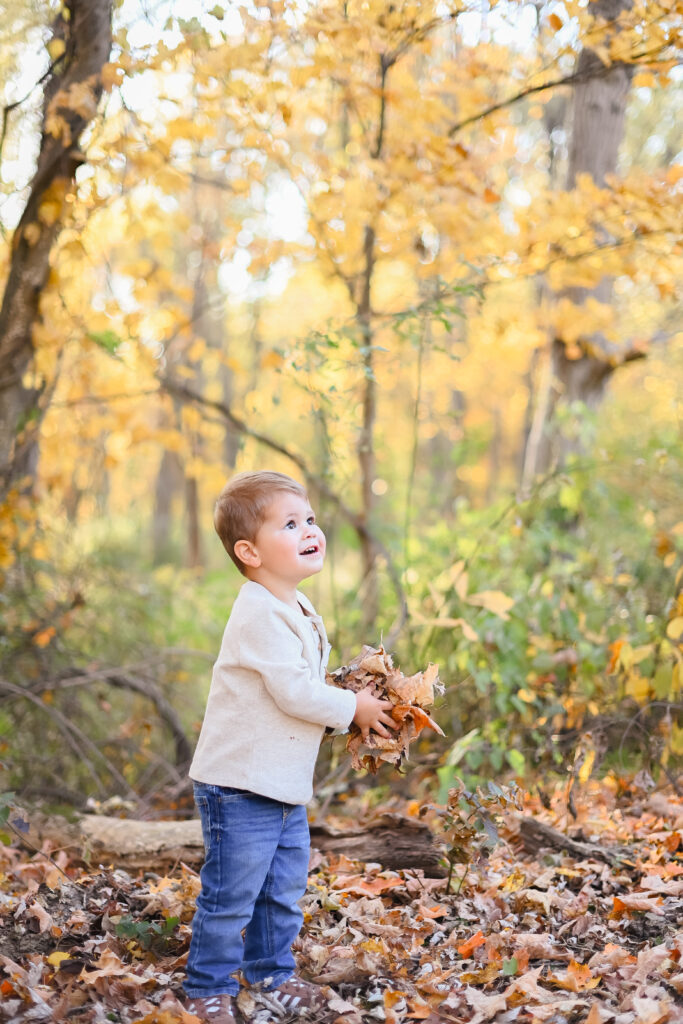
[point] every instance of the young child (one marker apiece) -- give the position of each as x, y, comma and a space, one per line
267, 710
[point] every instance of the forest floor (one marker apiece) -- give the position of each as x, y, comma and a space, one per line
544, 938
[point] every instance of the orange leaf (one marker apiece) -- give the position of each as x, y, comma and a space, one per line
577, 978
471, 944
614, 659
635, 901
594, 1016
419, 717
43, 638
433, 912
418, 1010
358, 885
522, 958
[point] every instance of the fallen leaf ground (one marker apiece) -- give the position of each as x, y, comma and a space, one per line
543, 938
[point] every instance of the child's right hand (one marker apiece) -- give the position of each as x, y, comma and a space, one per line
372, 713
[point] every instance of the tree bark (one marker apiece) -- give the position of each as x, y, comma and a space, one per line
536, 836
70, 103
597, 128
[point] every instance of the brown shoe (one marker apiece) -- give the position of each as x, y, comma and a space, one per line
294, 997
214, 1009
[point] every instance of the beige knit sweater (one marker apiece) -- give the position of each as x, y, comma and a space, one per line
269, 704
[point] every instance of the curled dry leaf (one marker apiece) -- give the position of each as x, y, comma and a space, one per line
373, 669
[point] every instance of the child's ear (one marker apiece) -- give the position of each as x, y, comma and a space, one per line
247, 553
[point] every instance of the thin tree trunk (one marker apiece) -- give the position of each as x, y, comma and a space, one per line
85, 28
597, 128
194, 556
168, 484
495, 455
366, 440
231, 438
366, 445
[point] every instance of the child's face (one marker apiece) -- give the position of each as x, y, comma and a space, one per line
289, 545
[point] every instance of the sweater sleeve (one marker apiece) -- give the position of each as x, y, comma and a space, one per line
273, 649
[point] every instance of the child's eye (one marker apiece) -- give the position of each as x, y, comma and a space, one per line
289, 524
310, 520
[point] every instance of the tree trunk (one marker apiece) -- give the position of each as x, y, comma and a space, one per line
597, 128
169, 482
231, 439
495, 455
366, 444
85, 28
366, 438
194, 555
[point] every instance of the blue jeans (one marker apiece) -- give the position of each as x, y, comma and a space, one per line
255, 871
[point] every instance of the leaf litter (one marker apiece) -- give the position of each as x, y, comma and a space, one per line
528, 938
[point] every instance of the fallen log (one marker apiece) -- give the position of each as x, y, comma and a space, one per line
393, 841
534, 836
122, 842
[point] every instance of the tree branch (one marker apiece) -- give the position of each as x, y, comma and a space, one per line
573, 79
361, 528
74, 736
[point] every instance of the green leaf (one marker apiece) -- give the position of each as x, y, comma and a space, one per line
108, 340
6, 801
461, 747
510, 966
516, 761
570, 498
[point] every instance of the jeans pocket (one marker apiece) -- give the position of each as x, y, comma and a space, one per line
203, 806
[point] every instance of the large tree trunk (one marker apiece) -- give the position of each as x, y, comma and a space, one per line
70, 103
597, 128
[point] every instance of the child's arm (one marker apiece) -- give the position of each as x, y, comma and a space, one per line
270, 647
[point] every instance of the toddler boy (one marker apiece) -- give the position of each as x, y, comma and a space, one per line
267, 710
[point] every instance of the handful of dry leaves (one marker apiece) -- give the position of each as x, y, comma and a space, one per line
410, 695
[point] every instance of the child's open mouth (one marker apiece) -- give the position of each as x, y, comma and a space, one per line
313, 550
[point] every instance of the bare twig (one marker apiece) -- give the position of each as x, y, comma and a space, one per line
27, 842
573, 79
364, 533
74, 736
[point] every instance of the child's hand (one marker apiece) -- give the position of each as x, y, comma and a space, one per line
371, 712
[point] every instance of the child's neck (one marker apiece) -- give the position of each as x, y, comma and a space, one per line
283, 590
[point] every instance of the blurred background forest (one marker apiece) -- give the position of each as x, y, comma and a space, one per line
425, 257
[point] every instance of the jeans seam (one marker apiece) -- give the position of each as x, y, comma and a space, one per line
269, 918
